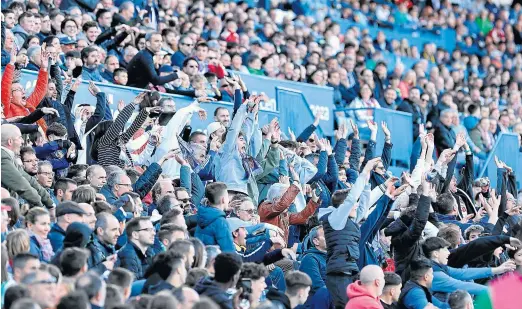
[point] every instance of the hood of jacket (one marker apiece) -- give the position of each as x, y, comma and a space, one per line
275, 295
208, 214
19, 30
208, 288
396, 228
446, 218
358, 293
314, 251
77, 235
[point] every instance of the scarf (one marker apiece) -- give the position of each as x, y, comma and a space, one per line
45, 246
251, 166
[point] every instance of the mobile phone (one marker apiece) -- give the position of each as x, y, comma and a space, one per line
317, 189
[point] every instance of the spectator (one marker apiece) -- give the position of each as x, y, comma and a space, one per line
42, 286
415, 293
38, 226
297, 288
141, 68
136, 255
73, 262
227, 270
392, 290
66, 213
365, 292
313, 262
102, 247
460, 299
94, 287
19, 181
212, 227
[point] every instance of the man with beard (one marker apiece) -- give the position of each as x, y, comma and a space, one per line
102, 247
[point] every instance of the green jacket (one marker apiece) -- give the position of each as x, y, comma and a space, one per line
16, 180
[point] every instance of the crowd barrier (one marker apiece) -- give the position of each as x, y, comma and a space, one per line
295, 112
318, 99
444, 38
127, 94
507, 150
400, 125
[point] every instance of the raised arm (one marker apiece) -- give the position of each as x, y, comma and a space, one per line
283, 203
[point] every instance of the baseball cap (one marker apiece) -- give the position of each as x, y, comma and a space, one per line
69, 208
213, 127
67, 41
236, 223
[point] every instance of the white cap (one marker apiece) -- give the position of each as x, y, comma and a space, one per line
213, 127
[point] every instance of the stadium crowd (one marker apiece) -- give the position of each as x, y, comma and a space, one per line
132, 207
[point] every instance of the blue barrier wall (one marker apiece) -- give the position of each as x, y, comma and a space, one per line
116, 93
507, 150
400, 125
318, 98
294, 111
447, 38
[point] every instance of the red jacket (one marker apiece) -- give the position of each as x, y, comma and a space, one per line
360, 298
277, 214
12, 110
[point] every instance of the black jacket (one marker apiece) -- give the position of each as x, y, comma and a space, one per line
278, 299
342, 247
134, 260
444, 138
406, 234
208, 288
99, 253
475, 250
142, 71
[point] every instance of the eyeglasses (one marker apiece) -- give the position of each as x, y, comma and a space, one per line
49, 174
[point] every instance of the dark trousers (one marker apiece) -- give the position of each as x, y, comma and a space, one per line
337, 284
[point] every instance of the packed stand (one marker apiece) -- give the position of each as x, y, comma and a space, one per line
131, 207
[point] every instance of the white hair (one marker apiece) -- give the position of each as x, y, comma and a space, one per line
276, 191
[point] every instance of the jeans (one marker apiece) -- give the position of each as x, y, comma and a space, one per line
277, 277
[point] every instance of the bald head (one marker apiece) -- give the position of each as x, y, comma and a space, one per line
4, 193
370, 273
372, 278
11, 138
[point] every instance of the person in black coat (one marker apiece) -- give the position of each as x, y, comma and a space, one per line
445, 137
141, 68
406, 231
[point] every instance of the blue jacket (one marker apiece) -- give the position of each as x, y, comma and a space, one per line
109, 195
208, 288
92, 74
415, 296
229, 164
34, 249
213, 228
177, 59
99, 253
314, 265
56, 236
369, 230
134, 260
448, 279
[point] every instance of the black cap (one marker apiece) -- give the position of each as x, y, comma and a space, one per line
69, 208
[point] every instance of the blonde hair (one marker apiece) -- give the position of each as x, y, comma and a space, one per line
33, 214
17, 242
